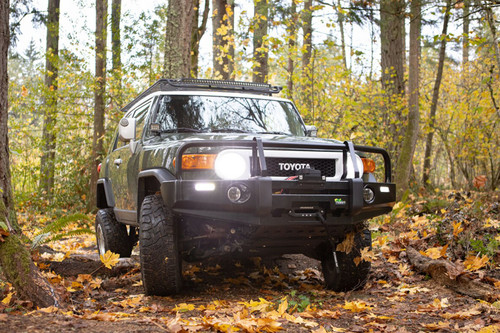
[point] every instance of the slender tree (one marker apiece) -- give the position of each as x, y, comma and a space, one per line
465, 38
47, 163
178, 39
307, 30
404, 163
435, 96
223, 38
15, 259
340, 21
116, 48
291, 32
99, 95
260, 45
196, 33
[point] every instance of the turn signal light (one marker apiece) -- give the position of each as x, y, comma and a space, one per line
198, 161
368, 165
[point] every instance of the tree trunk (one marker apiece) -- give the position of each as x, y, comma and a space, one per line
116, 58
307, 31
178, 39
260, 44
47, 163
392, 46
291, 30
490, 18
392, 62
15, 260
99, 94
196, 34
411, 134
435, 97
340, 20
465, 40
223, 38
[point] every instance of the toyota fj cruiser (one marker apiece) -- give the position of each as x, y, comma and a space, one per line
203, 168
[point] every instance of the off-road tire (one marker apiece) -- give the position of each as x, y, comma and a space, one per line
160, 260
111, 235
349, 276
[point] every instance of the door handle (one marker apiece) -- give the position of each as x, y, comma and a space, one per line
118, 161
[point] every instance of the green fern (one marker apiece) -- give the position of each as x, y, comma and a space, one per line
54, 230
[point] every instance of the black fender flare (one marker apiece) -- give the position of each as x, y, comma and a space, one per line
105, 197
149, 182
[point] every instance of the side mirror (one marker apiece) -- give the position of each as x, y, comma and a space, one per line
311, 130
126, 129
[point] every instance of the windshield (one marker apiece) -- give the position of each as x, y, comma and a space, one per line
227, 114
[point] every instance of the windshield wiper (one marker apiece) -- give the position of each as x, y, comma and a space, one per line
273, 132
228, 130
181, 130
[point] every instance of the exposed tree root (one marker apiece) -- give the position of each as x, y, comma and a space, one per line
447, 274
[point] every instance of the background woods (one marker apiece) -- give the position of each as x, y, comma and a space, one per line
419, 78
433, 107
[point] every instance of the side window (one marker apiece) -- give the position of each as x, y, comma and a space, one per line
140, 116
139, 113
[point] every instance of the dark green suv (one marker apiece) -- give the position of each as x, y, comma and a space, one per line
203, 168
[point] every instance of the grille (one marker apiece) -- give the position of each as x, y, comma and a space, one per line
326, 166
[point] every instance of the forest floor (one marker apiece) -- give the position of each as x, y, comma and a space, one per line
286, 293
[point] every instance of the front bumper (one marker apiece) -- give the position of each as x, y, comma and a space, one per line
279, 202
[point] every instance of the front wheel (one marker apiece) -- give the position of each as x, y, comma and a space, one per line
340, 270
111, 235
160, 259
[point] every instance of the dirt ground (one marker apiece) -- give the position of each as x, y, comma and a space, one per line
277, 294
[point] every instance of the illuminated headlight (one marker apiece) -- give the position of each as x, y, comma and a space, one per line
231, 165
350, 168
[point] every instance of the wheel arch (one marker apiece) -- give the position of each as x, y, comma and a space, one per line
149, 183
104, 195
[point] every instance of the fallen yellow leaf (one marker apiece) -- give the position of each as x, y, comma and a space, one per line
357, 306
7, 299
474, 263
109, 259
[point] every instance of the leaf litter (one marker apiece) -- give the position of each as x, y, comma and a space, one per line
286, 294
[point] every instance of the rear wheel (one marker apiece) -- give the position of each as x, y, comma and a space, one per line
160, 259
348, 275
111, 235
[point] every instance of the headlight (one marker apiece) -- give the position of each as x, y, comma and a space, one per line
231, 165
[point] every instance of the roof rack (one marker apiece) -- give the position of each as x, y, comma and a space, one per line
204, 84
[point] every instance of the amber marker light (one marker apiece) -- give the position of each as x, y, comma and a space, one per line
197, 161
368, 165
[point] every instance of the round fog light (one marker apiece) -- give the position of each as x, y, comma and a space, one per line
368, 195
234, 193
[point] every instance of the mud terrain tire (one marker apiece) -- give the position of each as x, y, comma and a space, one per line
111, 235
349, 276
158, 241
